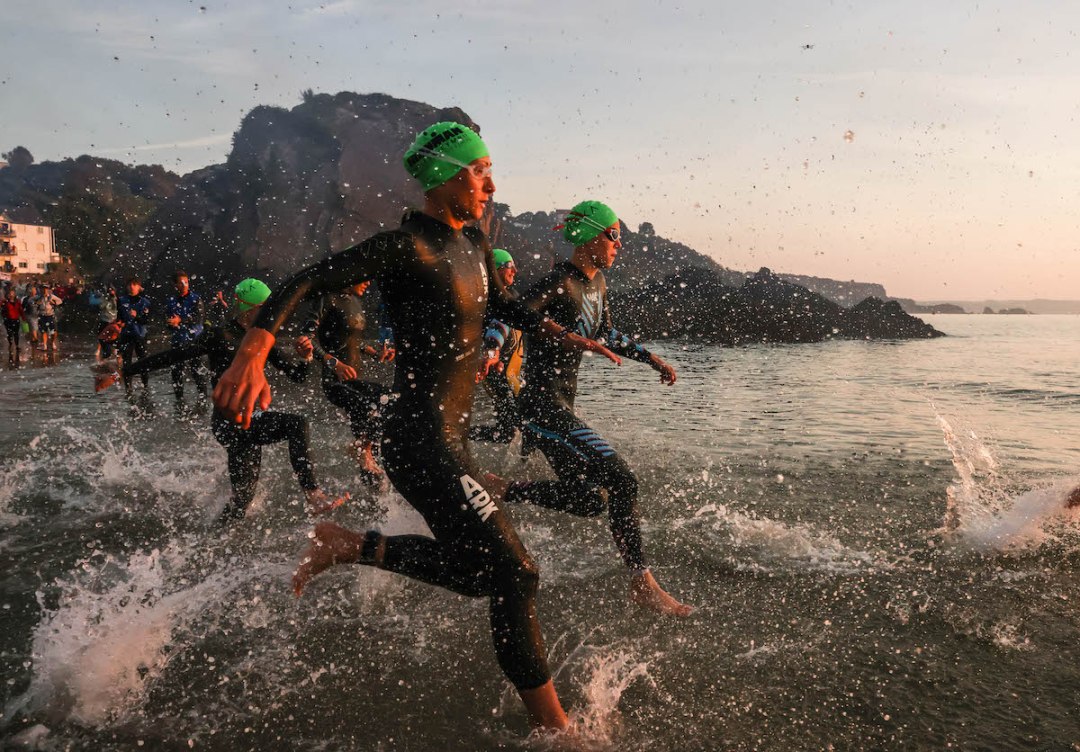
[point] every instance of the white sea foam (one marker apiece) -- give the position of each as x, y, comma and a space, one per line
768, 541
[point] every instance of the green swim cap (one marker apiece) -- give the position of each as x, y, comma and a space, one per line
586, 221
251, 293
453, 141
502, 258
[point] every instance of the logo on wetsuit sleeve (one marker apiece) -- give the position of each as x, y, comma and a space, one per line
478, 497
592, 305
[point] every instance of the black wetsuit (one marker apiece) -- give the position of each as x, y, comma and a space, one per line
338, 324
244, 447
587, 466
436, 284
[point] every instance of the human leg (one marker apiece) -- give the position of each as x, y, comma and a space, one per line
177, 377
272, 427
475, 550
363, 402
591, 473
12, 328
199, 376
140, 350
244, 463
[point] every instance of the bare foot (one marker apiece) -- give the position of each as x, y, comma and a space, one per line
1073, 499
646, 592
330, 544
320, 502
544, 709
366, 457
103, 381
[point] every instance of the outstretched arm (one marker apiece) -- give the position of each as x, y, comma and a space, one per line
625, 346
528, 316
153, 362
243, 386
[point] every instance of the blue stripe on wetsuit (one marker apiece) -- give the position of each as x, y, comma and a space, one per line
616, 340
586, 435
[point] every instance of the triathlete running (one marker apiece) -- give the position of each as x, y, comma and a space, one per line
502, 382
338, 323
592, 476
437, 280
244, 447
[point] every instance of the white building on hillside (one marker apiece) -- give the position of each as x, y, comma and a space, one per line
26, 249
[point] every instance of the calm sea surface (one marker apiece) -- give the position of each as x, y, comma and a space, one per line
873, 533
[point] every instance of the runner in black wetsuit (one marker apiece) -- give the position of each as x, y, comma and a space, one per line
218, 344
437, 280
592, 475
338, 324
501, 383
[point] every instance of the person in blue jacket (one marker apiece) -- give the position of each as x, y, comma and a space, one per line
184, 315
133, 313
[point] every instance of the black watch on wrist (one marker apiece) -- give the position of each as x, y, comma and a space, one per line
332, 361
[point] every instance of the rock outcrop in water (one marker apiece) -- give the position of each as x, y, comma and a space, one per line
765, 308
301, 183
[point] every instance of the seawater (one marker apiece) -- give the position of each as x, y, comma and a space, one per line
873, 533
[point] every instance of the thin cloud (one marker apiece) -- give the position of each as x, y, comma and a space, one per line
213, 139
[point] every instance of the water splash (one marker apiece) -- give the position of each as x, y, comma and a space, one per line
982, 513
602, 674
116, 627
766, 541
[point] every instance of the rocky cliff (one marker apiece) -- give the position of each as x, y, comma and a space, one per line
301, 183
297, 185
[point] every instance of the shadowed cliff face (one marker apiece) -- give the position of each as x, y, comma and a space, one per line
298, 185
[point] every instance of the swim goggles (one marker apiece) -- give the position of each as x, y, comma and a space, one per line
478, 171
611, 233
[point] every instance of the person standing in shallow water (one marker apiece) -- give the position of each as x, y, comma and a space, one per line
592, 476
184, 316
437, 280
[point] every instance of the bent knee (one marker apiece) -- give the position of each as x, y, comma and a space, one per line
519, 576
594, 502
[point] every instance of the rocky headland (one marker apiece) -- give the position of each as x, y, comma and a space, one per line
301, 183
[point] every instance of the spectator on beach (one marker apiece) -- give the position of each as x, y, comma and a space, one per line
47, 303
108, 330
12, 312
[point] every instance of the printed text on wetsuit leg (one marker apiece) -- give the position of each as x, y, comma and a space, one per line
478, 497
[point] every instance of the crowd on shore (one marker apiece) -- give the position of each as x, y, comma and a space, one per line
31, 311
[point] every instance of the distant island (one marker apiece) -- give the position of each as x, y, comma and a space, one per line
301, 183
1033, 306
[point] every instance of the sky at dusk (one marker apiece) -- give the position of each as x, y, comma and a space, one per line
928, 146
